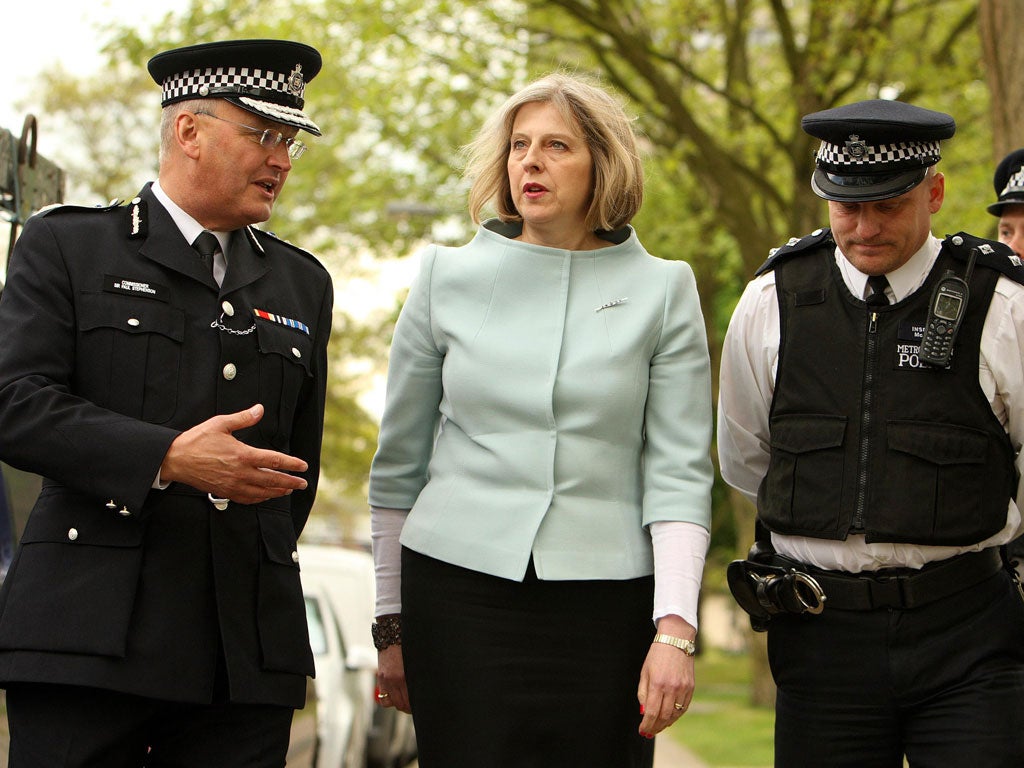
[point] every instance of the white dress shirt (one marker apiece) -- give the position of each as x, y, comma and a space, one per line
750, 359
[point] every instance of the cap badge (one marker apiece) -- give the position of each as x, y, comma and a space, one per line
295, 81
856, 146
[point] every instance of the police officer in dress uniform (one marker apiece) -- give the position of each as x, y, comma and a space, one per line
891, 481
173, 404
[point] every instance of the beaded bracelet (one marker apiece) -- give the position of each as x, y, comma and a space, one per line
387, 631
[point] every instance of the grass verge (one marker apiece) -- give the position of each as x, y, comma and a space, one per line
721, 727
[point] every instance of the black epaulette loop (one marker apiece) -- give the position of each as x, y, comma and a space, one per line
138, 219
794, 245
991, 254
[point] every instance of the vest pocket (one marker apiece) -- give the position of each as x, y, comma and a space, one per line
802, 491
935, 483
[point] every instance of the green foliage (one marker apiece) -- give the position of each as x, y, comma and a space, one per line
721, 727
717, 88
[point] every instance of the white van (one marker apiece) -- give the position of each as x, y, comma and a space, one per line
346, 577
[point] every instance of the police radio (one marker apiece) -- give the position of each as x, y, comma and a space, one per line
945, 313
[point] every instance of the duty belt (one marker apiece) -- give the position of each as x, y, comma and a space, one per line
900, 587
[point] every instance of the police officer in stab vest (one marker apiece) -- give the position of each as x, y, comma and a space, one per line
163, 367
884, 461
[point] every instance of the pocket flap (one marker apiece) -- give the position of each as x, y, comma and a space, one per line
70, 519
807, 432
278, 534
101, 310
938, 443
292, 345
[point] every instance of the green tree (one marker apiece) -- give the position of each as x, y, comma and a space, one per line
718, 88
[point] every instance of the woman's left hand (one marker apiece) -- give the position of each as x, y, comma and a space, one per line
666, 680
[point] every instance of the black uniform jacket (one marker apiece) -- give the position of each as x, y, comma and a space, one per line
114, 340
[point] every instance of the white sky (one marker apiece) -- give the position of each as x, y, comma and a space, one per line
39, 33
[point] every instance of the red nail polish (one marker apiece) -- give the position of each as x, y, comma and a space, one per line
641, 709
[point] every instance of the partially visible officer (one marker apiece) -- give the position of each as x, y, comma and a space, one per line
174, 407
1008, 181
889, 481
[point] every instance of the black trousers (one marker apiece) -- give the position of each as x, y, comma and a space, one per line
59, 726
532, 674
942, 684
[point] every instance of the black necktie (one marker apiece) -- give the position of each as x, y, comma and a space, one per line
878, 297
206, 244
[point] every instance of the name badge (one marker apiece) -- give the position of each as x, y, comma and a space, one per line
130, 287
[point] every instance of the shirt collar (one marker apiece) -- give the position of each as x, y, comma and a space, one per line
903, 281
189, 227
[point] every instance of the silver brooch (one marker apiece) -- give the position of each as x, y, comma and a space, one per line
612, 303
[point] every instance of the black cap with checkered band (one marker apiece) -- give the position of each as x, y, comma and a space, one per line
265, 77
875, 149
1008, 181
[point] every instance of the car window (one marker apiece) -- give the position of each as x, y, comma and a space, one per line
315, 620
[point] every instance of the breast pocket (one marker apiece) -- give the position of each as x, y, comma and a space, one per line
285, 365
130, 355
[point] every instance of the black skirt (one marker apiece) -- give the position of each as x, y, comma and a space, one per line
531, 674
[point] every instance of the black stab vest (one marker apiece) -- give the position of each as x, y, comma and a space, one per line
865, 438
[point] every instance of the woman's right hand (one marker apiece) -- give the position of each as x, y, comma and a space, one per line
391, 688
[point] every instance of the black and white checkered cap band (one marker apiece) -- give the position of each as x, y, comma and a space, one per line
1015, 184
241, 80
859, 154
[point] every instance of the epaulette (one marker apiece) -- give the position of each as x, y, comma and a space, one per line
254, 234
991, 254
793, 246
49, 210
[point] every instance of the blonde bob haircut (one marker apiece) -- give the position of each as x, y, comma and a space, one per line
618, 175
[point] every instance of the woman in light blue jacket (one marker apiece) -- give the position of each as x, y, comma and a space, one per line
541, 489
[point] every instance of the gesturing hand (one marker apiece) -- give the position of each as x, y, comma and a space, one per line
210, 458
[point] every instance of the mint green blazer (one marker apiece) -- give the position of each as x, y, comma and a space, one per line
546, 402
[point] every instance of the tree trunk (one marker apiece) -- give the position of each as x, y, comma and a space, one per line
1001, 27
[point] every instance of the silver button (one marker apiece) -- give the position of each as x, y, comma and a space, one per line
230, 371
296, 352
72, 534
111, 504
123, 512
204, 90
133, 322
816, 232
957, 240
228, 309
295, 557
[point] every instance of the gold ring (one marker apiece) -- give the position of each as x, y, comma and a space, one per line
679, 707
382, 696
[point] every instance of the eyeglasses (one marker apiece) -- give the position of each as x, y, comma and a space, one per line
269, 138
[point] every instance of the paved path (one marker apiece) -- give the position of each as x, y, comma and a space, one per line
669, 753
